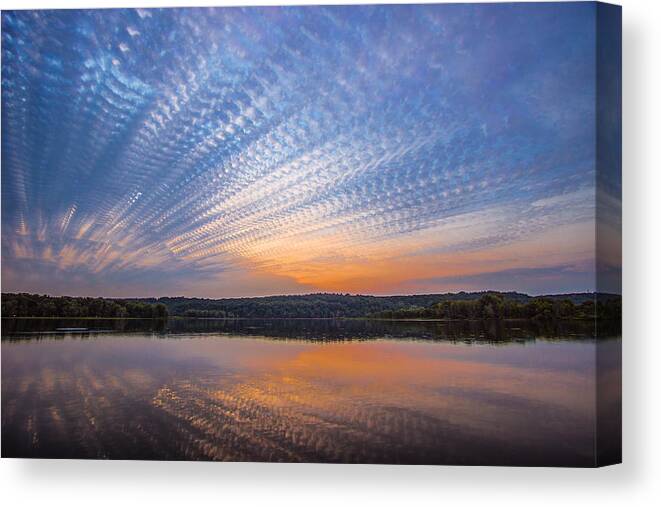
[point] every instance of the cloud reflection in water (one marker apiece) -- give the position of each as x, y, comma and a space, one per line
220, 398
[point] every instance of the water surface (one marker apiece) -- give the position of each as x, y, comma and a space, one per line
312, 391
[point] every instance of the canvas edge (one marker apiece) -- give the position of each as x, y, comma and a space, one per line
608, 232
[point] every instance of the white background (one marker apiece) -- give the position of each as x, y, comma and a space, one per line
636, 482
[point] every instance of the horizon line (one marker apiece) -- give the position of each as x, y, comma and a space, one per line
349, 294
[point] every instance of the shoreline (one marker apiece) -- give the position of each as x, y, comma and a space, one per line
181, 317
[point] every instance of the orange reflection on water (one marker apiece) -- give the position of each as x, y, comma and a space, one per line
239, 399
479, 395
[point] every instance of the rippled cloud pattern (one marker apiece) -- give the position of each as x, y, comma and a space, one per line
378, 149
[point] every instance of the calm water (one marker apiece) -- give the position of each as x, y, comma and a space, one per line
314, 391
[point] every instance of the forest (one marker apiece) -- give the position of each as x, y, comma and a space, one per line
495, 306
453, 306
326, 305
35, 305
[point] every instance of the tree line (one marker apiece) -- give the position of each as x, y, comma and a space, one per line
35, 305
495, 306
456, 306
326, 305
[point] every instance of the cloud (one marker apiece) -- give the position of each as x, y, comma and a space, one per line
209, 142
546, 280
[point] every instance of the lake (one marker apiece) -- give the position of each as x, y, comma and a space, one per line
346, 391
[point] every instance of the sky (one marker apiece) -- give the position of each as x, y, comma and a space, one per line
260, 151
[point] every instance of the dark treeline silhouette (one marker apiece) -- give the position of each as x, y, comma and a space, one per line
35, 305
496, 306
457, 306
328, 305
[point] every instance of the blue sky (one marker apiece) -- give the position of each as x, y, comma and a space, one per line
363, 149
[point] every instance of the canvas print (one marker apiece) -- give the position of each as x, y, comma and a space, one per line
384, 234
